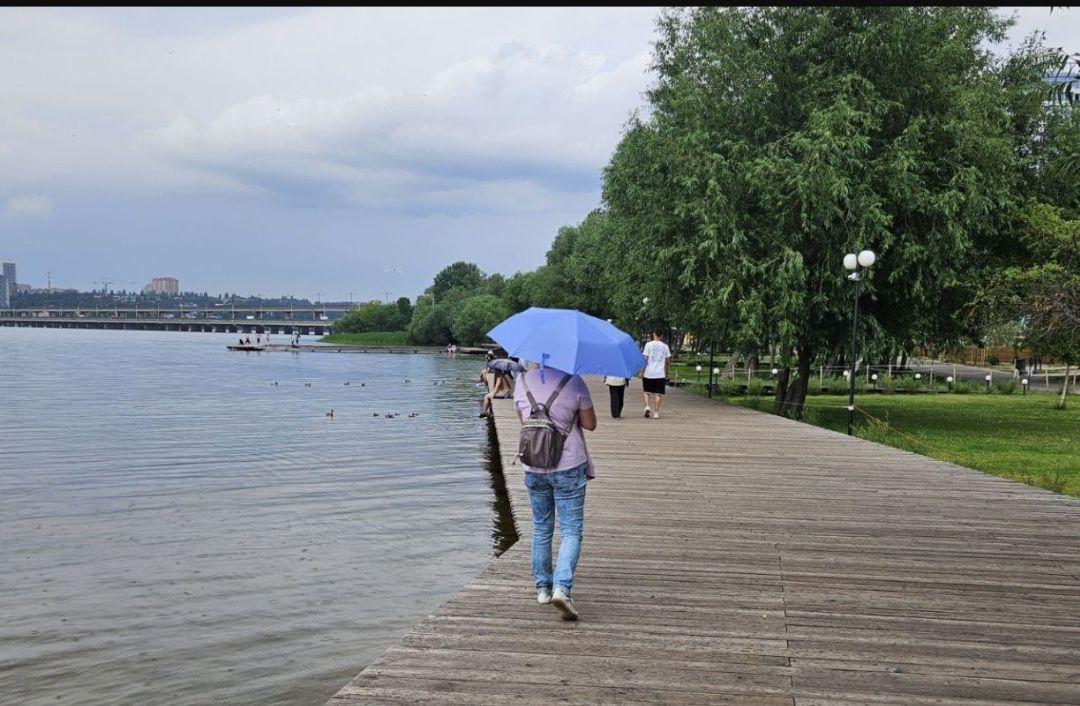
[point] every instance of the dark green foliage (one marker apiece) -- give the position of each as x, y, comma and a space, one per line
375, 316
464, 276
475, 317
780, 139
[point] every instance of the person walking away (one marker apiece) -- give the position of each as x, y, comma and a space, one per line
654, 380
558, 491
617, 390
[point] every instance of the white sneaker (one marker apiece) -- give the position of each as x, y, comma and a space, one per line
648, 412
543, 596
561, 600
655, 415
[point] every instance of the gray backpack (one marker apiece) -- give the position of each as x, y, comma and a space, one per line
541, 442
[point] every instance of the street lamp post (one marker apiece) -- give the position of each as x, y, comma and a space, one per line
856, 263
712, 357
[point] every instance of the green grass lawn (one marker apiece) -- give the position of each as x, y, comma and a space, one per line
371, 338
1020, 437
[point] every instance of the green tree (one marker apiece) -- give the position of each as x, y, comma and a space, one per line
374, 316
476, 316
465, 276
780, 139
430, 324
404, 314
576, 273
1044, 293
494, 284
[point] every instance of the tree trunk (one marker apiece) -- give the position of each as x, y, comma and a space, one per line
796, 397
903, 360
1064, 388
781, 391
729, 369
837, 360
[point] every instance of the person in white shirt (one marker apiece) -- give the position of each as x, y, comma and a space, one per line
654, 380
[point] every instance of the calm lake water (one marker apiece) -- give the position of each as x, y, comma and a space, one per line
176, 529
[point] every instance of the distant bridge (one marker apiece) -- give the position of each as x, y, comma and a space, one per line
313, 320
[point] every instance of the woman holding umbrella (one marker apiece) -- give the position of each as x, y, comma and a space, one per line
559, 490
577, 343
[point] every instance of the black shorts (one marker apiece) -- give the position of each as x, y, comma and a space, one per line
654, 386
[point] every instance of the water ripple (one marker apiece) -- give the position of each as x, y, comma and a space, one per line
177, 529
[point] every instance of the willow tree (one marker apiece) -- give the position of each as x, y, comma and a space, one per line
778, 139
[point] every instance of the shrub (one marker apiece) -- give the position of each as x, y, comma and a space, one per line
837, 386
992, 358
1007, 387
965, 387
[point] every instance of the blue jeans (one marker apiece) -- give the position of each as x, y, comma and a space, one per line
561, 493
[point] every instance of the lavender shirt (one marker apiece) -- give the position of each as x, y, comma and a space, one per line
574, 396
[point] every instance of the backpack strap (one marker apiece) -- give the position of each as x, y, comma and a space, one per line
550, 400
562, 383
528, 393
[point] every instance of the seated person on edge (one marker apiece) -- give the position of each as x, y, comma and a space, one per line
501, 388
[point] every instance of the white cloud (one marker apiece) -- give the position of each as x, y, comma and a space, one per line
374, 88
30, 205
472, 118
523, 112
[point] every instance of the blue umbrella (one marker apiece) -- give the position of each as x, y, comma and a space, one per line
505, 365
568, 340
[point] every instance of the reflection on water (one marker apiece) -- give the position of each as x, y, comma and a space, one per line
504, 532
181, 524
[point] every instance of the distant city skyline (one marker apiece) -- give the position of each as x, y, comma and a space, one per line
340, 153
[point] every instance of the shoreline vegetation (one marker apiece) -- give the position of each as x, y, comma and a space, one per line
369, 338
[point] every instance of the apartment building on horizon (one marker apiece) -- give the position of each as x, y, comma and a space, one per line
7, 283
163, 285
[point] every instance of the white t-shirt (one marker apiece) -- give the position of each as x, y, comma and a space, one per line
656, 352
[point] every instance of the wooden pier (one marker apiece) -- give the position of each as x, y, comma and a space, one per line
732, 556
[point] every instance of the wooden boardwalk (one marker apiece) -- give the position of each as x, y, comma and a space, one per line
736, 557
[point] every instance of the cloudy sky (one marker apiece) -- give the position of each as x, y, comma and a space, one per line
328, 152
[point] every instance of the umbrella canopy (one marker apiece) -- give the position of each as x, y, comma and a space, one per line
505, 365
568, 340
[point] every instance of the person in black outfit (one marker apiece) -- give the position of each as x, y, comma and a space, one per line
617, 389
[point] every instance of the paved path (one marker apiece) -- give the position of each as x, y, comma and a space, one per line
1042, 380
737, 557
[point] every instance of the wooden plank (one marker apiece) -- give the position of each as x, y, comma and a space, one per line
736, 557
